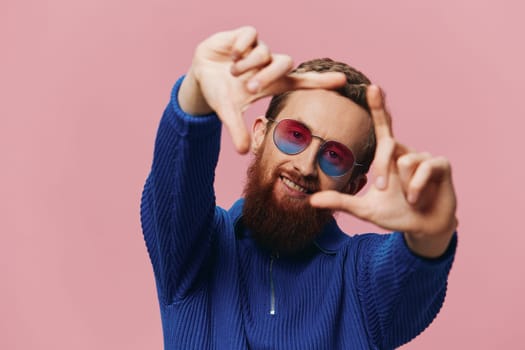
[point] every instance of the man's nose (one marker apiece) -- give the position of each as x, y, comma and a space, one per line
306, 161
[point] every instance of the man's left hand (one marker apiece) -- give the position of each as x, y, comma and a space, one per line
413, 192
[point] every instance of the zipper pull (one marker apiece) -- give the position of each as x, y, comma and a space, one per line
274, 256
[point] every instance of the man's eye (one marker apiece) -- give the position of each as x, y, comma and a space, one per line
297, 134
333, 155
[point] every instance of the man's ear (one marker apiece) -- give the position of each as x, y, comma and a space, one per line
356, 184
258, 133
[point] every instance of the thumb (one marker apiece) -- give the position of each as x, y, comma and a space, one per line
317, 80
338, 201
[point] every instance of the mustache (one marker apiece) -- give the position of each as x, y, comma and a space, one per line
310, 182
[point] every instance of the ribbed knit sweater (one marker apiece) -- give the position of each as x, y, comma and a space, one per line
218, 289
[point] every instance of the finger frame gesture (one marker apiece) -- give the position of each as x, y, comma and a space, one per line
412, 192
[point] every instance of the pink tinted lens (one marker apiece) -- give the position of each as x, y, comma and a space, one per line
335, 159
291, 137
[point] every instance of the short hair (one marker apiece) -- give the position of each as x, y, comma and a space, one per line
354, 89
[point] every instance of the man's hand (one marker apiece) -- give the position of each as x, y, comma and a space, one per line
232, 69
413, 192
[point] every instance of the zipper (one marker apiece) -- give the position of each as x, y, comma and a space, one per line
272, 286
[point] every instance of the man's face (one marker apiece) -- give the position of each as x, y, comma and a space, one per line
328, 115
279, 185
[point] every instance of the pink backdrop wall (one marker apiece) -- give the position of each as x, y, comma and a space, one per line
83, 85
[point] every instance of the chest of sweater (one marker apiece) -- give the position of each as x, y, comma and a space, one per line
301, 303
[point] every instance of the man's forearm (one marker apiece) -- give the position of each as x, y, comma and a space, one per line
400, 292
191, 99
178, 200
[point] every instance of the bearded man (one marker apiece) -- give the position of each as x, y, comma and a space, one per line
275, 271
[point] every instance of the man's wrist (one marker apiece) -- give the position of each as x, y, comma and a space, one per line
428, 246
190, 97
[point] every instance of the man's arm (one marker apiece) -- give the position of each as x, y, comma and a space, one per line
400, 293
178, 202
402, 277
229, 71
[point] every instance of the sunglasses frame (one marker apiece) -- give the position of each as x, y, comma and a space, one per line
323, 142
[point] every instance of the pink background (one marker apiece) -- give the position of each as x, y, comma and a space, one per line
83, 85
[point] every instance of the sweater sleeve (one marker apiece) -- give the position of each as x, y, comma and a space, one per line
400, 293
178, 201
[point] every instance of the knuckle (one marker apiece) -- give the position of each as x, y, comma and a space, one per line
415, 186
426, 166
201, 48
288, 61
242, 66
235, 69
444, 162
285, 60
248, 29
245, 37
263, 54
405, 161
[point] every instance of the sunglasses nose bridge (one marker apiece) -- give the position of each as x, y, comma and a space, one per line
321, 141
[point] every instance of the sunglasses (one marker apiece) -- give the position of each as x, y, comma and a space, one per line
292, 137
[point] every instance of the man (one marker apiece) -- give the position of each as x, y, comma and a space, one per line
275, 271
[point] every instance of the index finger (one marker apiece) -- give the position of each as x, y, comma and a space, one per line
383, 130
380, 116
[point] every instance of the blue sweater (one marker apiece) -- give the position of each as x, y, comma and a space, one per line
218, 290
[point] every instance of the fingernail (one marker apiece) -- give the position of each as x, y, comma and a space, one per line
253, 86
380, 182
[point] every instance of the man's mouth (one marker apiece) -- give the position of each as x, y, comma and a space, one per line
294, 186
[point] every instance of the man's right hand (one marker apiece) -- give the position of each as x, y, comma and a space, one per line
232, 69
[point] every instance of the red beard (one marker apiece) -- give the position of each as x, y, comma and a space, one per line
287, 226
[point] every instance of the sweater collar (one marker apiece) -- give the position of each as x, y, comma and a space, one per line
330, 241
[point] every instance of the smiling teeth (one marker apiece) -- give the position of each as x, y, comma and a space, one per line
293, 185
